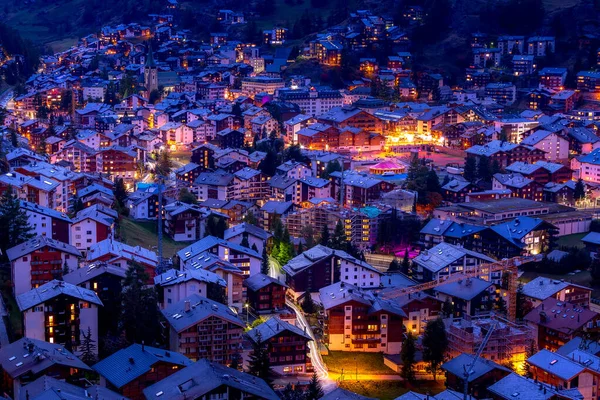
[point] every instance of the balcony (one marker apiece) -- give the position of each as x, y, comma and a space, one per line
46, 262
372, 340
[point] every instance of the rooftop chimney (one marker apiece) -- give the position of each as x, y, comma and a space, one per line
186, 306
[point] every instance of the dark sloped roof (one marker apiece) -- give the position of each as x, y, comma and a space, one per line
132, 362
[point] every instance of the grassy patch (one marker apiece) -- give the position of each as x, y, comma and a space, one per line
571, 240
145, 234
388, 390
64, 44
367, 363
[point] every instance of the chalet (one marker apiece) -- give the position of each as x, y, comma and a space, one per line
193, 325
57, 363
185, 222
188, 173
445, 259
107, 282
173, 285
286, 343
121, 254
151, 366
48, 222
60, 312
470, 296
253, 236
40, 260
519, 185
485, 373
247, 260
265, 294
92, 225
321, 266
143, 205
383, 326
208, 379
341, 117
506, 153
539, 289
556, 322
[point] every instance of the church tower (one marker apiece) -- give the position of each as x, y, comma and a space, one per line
150, 72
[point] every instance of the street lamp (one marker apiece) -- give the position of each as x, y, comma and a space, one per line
247, 306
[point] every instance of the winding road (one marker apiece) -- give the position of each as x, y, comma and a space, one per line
315, 354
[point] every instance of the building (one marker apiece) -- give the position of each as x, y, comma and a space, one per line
321, 266
92, 225
484, 374
40, 260
501, 93
588, 81
261, 84
508, 342
509, 45
48, 222
185, 222
542, 171
519, 185
232, 275
505, 153
357, 320
27, 359
445, 259
46, 386
130, 370
174, 285
517, 387
286, 343
556, 322
419, 307
523, 65
587, 167
566, 373
312, 101
120, 254
107, 282
554, 145
201, 328
265, 294
143, 205
247, 260
328, 52
470, 296
275, 36
208, 380
60, 312
552, 78
486, 58
540, 46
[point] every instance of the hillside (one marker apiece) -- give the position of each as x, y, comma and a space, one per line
59, 23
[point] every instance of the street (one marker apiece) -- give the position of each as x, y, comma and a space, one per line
315, 355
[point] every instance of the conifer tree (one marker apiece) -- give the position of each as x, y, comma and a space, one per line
265, 265
88, 348
314, 391
14, 221
435, 343
259, 363
407, 355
